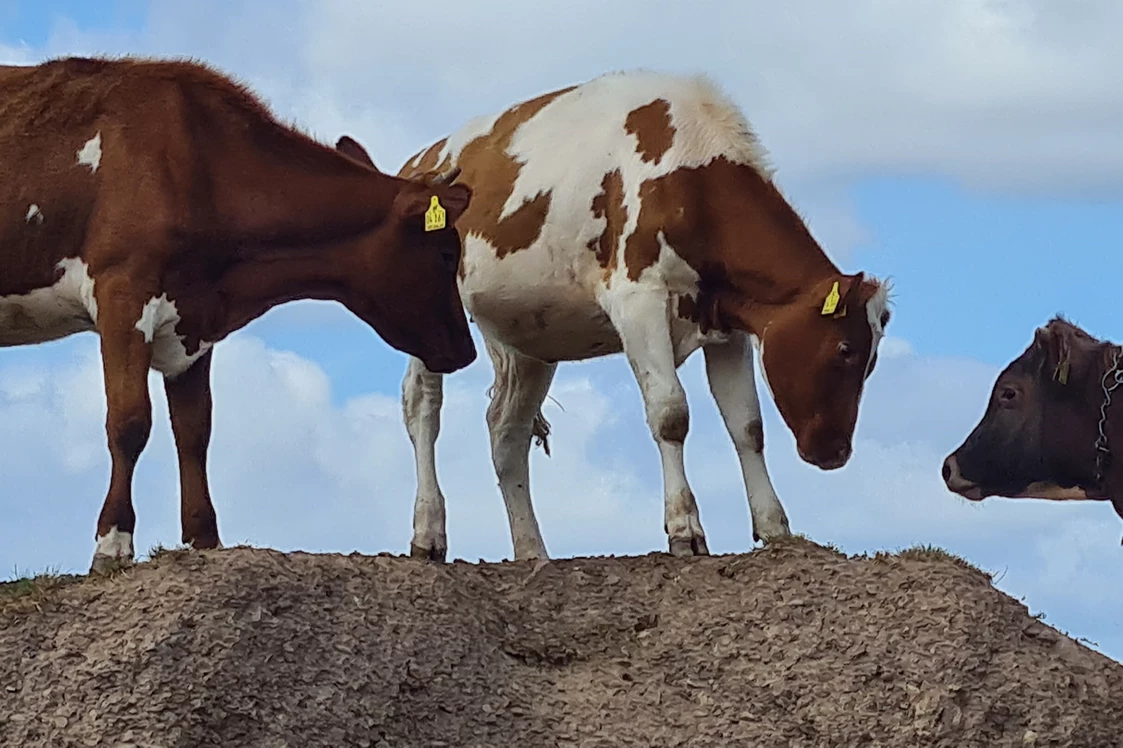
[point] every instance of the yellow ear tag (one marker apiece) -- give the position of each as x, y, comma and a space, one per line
831, 302
1061, 372
435, 216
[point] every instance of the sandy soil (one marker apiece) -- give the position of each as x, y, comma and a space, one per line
794, 645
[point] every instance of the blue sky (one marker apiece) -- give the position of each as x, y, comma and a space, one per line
980, 164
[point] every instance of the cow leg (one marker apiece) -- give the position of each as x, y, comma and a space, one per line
645, 332
520, 386
125, 361
190, 406
729, 369
422, 396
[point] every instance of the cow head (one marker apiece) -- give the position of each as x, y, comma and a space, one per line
407, 290
1037, 436
816, 354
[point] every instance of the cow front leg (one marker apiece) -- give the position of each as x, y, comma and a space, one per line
513, 419
422, 397
645, 332
190, 407
125, 357
729, 369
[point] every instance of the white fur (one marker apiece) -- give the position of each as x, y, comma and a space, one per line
1052, 492
34, 214
90, 153
56, 311
115, 544
157, 322
551, 302
875, 307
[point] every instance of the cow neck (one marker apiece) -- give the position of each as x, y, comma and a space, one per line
771, 291
254, 286
299, 225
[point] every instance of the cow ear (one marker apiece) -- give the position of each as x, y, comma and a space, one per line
1053, 351
842, 295
350, 147
432, 206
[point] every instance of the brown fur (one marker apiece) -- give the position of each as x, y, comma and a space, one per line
202, 195
609, 205
651, 124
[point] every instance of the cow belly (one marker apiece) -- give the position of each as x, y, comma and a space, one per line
543, 322
50, 313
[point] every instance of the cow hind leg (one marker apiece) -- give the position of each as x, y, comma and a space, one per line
729, 369
513, 418
190, 407
422, 396
646, 336
126, 357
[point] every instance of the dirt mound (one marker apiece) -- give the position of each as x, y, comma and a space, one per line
794, 645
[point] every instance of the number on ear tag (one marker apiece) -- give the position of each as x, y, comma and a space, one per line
435, 216
831, 302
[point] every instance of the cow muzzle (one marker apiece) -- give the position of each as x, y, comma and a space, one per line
956, 483
464, 355
830, 456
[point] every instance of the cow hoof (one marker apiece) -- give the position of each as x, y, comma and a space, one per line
766, 532
684, 547
105, 565
435, 554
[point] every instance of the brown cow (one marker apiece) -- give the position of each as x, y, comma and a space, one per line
637, 213
1048, 428
162, 206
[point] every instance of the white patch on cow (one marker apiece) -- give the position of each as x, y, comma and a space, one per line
875, 307
90, 154
64, 308
1052, 492
758, 344
472, 129
115, 544
34, 214
157, 322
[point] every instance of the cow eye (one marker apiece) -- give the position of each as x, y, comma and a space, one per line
1008, 395
846, 351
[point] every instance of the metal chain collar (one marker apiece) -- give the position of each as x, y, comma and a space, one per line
1103, 452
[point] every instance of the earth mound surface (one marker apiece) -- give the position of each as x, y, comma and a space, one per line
792, 645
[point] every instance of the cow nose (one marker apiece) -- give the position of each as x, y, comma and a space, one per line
947, 468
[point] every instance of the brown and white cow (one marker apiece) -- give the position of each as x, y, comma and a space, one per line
636, 212
1049, 428
160, 205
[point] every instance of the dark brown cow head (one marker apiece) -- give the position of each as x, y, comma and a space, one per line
817, 354
415, 271
1037, 437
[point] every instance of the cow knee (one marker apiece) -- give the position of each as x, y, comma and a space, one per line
128, 435
750, 438
670, 420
